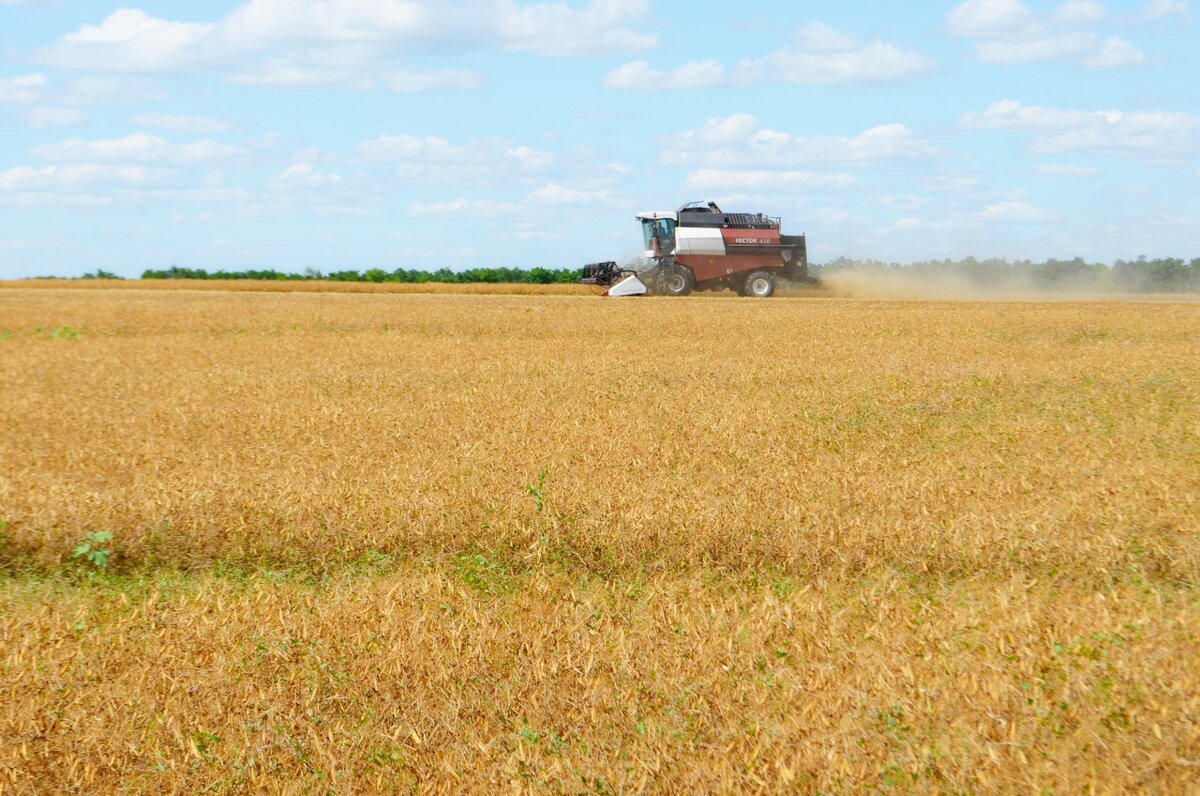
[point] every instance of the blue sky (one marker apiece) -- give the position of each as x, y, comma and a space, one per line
339, 134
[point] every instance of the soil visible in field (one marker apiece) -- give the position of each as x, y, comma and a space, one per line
316, 541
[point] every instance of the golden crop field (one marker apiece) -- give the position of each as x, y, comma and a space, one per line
327, 542
299, 286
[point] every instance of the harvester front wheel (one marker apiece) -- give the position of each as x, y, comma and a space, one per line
759, 284
679, 281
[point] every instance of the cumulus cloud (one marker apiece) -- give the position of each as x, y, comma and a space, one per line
1007, 32
464, 208
305, 175
45, 116
1028, 50
737, 142
130, 40
409, 148
100, 89
640, 76
347, 67
719, 131
1016, 212
758, 179
1080, 12
181, 124
1145, 133
1114, 54
979, 18
555, 194
1063, 170
138, 147
874, 62
820, 55
556, 29
437, 160
75, 177
303, 42
408, 81
1158, 10
23, 88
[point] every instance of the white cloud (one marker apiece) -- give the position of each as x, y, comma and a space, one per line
199, 125
640, 76
1016, 212
434, 160
817, 37
135, 147
98, 89
49, 116
980, 18
1157, 10
738, 142
1145, 133
75, 177
464, 208
952, 183
902, 225
758, 179
555, 194
1035, 48
305, 175
408, 81
719, 131
301, 42
1009, 33
288, 72
400, 148
410, 149
877, 62
1116, 53
820, 56
53, 199
130, 40
23, 88
1080, 12
420, 26
556, 29
1062, 170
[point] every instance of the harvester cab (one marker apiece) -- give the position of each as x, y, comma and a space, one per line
658, 231
701, 247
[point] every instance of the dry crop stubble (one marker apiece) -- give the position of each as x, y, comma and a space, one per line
785, 544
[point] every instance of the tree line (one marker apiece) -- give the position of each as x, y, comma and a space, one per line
531, 276
1143, 275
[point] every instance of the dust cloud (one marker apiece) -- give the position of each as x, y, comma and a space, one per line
909, 285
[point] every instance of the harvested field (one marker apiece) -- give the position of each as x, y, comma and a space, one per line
553, 543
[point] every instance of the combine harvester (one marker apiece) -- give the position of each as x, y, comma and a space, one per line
701, 247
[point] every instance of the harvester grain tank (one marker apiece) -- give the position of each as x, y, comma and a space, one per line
701, 247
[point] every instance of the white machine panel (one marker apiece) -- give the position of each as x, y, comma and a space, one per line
699, 240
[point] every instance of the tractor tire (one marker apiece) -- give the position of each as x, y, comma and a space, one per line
759, 284
679, 282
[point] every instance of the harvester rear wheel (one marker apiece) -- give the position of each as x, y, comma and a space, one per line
679, 281
759, 284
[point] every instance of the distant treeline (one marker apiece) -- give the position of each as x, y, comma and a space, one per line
1161, 275
525, 276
